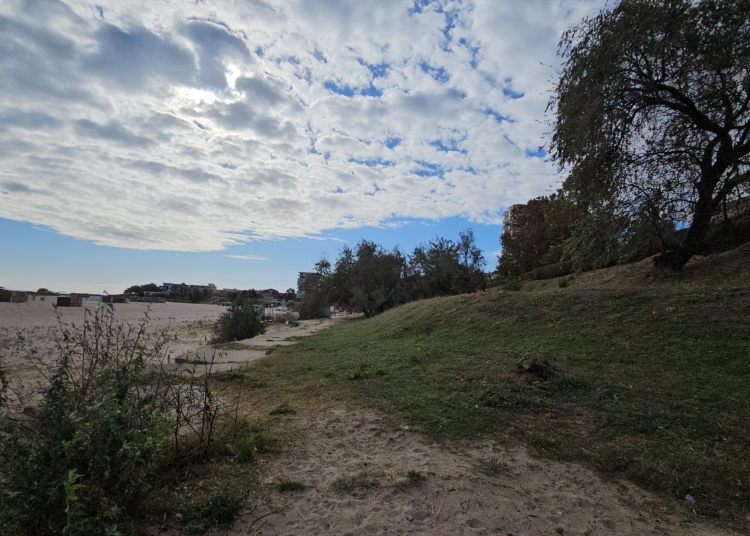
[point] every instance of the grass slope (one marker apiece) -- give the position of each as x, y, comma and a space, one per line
656, 388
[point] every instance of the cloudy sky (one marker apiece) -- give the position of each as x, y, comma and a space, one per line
234, 141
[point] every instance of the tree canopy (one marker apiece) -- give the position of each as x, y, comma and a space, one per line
371, 278
652, 113
535, 233
140, 289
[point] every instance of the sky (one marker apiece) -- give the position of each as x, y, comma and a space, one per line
235, 142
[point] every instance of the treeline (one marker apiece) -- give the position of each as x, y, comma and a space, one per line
371, 279
139, 290
562, 231
557, 234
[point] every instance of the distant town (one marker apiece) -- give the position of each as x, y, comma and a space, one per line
166, 292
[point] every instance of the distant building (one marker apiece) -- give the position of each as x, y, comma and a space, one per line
304, 281
72, 300
509, 217
182, 289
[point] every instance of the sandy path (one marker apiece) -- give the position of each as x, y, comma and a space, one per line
459, 496
259, 347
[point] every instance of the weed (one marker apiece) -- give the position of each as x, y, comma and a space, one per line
415, 477
113, 418
492, 467
242, 449
362, 480
263, 441
411, 479
291, 486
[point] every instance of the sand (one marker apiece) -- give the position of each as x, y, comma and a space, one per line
459, 495
190, 327
36, 323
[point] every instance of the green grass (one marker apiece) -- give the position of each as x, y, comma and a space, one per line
656, 386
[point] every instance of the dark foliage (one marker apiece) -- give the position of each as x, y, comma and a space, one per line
534, 233
140, 289
243, 320
372, 279
652, 113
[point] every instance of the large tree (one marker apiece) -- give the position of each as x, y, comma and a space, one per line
652, 108
535, 233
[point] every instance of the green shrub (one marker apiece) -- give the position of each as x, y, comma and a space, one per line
220, 509
110, 421
313, 305
512, 284
242, 321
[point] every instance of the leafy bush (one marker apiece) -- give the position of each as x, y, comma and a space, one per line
512, 284
241, 321
111, 418
313, 305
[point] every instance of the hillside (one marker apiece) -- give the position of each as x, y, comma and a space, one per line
655, 385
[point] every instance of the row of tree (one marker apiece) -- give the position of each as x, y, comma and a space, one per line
371, 279
560, 230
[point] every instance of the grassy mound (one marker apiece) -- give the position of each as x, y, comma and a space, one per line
654, 383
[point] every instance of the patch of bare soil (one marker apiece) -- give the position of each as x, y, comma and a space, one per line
362, 477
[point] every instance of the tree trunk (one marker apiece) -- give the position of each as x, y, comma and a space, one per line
677, 258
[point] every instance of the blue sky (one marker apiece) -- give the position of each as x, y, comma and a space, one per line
235, 142
42, 257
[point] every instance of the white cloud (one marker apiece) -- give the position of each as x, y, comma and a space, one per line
246, 257
197, 126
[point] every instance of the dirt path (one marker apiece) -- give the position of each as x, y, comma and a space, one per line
481, 489
189, 352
